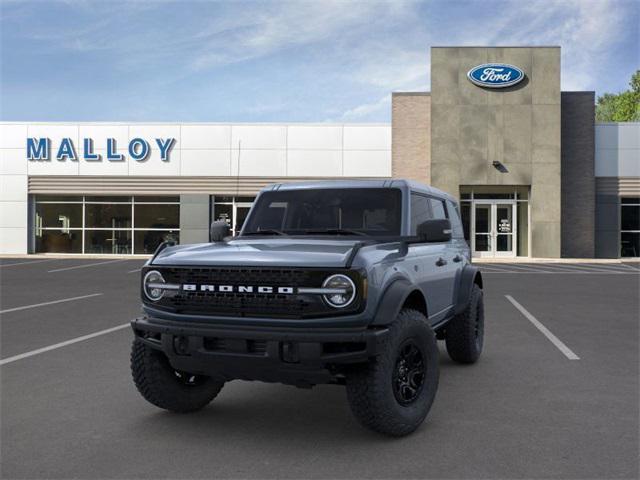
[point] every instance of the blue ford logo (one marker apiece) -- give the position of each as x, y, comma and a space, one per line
495, 75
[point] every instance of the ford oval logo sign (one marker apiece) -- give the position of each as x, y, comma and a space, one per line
495, 75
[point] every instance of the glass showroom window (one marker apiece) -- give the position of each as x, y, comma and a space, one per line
630, 227
233, 210
105, 224
58, 224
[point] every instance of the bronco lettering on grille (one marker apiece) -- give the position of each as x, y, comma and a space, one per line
192, 287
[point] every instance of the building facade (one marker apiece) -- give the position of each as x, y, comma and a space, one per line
536, 177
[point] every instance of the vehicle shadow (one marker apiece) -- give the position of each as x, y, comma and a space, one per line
254, 410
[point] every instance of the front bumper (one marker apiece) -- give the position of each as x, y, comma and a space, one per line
299, 356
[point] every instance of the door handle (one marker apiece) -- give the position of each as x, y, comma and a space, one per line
457, 258
441, 262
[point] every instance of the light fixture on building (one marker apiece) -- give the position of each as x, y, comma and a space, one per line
499, 166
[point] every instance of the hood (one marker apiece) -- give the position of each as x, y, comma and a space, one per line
276, 252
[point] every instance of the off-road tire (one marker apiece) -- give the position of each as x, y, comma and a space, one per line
464, 335
160, 385
370, 388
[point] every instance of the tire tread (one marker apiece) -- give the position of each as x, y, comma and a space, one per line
150, 370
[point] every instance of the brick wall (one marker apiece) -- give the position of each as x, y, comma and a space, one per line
411, 136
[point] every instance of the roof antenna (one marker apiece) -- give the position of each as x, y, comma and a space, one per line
238, 169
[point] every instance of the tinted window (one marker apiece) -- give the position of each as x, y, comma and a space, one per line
157, 216
105, 215
456, 223
437, 207
630, 244
420, 211
373, 211
630, 217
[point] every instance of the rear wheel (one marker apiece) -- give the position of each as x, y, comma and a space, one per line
163, 386
393, 393
464, 335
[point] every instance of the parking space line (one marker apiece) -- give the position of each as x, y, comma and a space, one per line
584, 268
524, 268
616, 267
501, 270
544, 330
489, 269
87, 265
27, 262
44, 304
573, 272
135, 271
15, 358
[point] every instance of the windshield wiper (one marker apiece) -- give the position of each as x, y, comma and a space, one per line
336, 231
266, 231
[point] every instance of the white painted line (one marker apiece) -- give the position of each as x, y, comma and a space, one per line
525, 268
135, 271
489, 269
15, 358
544, 330
501, 270
44, 304
616, 268
584, 268
2, 265
573, 272
86, 265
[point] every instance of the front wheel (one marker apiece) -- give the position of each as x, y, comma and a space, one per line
163, 386
394, 393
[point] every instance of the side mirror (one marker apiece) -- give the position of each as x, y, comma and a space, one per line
219, 230
437, 230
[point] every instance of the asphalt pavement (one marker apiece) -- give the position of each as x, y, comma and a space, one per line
527, 409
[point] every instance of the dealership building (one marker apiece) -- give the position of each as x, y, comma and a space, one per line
535, 175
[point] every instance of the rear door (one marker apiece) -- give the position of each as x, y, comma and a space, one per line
448, 260
429, 263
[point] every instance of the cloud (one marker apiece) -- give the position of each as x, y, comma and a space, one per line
253, 34
294, 60
367, 109
588, 31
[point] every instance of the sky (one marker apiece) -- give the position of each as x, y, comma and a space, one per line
279, 61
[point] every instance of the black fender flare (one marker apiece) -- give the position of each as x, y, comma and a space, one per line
392, 300
468, 277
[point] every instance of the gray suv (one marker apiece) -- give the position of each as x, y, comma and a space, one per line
343, 282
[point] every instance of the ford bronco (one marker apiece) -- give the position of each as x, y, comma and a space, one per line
341, 282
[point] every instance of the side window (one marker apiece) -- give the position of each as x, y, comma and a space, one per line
420, 211
456, 223
437, 206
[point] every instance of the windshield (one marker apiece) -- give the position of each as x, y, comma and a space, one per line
344, 211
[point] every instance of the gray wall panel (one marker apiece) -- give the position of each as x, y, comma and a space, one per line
519, 126
578, 174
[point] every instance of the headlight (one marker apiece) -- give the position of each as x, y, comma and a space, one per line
343, 290
153, 285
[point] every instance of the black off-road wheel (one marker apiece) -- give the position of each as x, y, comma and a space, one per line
163, 386
464, 335
394, 393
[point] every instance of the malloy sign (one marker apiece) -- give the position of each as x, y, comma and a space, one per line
40, 149
495, 75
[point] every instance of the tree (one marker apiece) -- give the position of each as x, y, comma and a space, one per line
621, 107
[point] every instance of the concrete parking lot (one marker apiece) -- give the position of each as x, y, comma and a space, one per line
555, 394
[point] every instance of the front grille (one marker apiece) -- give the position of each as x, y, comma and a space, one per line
272, 305
245, 276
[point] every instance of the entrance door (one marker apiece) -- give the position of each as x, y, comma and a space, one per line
240, 212
494, 229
